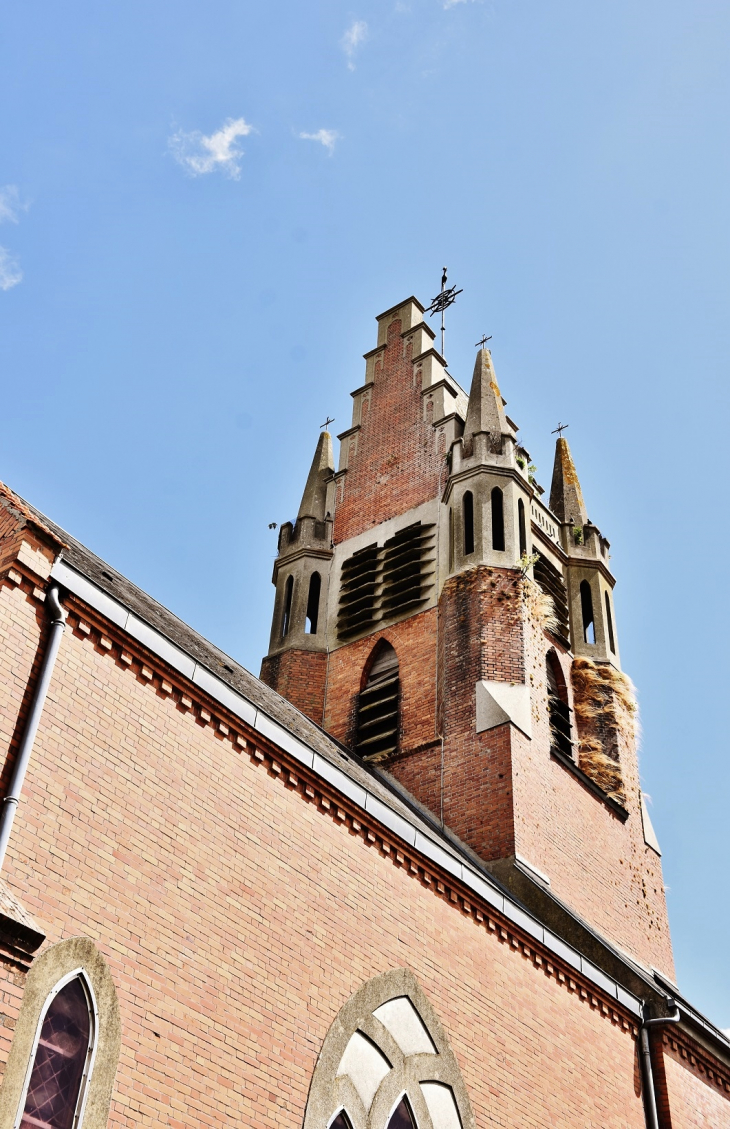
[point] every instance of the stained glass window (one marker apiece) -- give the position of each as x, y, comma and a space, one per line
342, 1121
58, 1070
402, 1118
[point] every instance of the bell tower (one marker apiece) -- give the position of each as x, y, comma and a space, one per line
465, 640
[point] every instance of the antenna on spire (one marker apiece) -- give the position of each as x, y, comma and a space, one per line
441, 303
327, 422
560, 429
482, 343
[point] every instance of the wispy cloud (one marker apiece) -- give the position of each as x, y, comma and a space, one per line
10, 272
356, 34
326, 137
453, 3
10, 207
10, 204
200, 154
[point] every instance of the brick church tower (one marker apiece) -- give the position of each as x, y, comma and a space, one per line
434, 615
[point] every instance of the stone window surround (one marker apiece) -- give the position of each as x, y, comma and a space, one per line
330, 1093
53, 968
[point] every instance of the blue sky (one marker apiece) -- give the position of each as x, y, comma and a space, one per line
187, 284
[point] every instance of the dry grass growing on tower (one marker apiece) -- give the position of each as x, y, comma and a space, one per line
539, 605
606, 713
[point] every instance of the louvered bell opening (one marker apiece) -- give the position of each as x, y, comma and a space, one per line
559, 711
407, 566
560, 725
553, 585
377, 709
358, 588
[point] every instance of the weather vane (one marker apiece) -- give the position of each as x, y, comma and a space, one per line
327, 422
441, 303
482, 343
560, 429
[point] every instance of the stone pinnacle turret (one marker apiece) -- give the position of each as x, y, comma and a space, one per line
485, 413
566, 497
314, 498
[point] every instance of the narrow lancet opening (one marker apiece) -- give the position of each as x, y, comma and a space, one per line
497, 520
468, 505
586, 607
315, 588
286, 616
609, 624
522, 527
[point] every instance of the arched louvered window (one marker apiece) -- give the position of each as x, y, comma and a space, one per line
497, 520
468, 513
559, 710
286, 615
315, 588
378, 706
586, 607
61, 1064
609, 624
522, 527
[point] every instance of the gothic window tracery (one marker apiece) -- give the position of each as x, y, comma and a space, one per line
386, 1064
61, 1061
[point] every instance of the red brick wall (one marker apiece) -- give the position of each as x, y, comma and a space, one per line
238, 914
396, 465
299, 676
697, 1091
597, 864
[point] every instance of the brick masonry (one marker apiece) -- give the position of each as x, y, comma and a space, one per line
397, 463
300, 676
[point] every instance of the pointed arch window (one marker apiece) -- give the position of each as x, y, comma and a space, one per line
342, 1121
522, 527
62, 1059
378, 706
286, 616
559, 710
402, 1116
315, 588
497, 520
586, 607
609, 624
386, 1064
468, 514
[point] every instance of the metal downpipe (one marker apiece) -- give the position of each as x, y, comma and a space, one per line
57, 614
652, 1114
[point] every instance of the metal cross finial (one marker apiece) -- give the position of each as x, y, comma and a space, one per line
441, 303
560, 429
327, 422
482, 343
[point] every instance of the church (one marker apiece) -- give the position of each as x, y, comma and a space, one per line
406, 879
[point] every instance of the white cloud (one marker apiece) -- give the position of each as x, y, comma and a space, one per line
10, 204
326, 137
199, 154
356, 34
10, 272
453, 3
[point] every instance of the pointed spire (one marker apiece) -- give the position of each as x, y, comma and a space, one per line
566, 497
486, 411
314, 498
